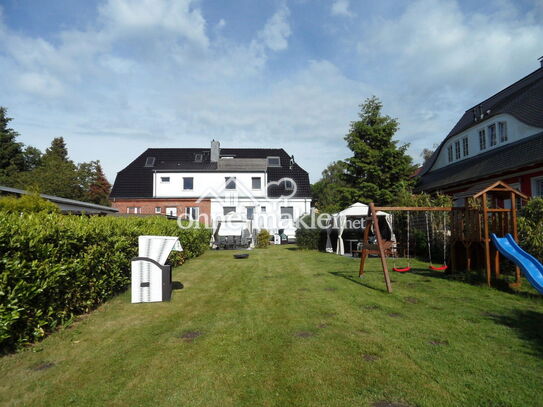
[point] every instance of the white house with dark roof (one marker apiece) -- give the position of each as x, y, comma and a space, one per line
265, 186
500, 138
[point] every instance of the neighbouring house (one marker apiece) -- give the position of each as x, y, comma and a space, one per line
500, 138
66, 206
264, 186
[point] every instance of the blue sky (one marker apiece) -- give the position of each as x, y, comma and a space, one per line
114, 77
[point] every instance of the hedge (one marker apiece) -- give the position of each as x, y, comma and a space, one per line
53, 267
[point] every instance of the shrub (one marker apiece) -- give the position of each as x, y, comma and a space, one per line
308, 238
27, 204
263, 239
53, 267
530, 225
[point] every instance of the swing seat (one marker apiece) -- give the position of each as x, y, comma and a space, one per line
401, 269
440, 268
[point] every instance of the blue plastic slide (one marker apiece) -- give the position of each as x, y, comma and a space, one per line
530, 266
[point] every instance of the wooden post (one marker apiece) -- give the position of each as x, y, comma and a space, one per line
486, 239
380, 246
496, 263
364, 251
515, 233
468, 257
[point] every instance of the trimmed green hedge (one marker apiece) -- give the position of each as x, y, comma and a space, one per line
53, 267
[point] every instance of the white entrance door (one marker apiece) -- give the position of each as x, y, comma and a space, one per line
171, 211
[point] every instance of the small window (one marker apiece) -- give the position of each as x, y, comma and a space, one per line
230, 182
502, 131
457, 150
482, 139
250, 212
263, 209
450, 153
229, 209
192, 212
287, 212
289, 186
133, 209
198, 158
188, 183
150, 162
537, 187
158, 209
165, 180
492, 135
465, 146
274, 162
256, 182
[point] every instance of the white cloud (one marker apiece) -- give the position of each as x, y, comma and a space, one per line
341, 8
277, 30
138, 17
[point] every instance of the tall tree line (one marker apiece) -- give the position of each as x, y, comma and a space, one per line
378, 170
52, 172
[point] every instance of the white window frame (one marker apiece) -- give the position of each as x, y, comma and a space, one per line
450, 153
534, 181
135, 210
189, 212
457, 150
171, 210
283, 214
158, 209
229, 181
230, 207
493, 135
465, 146
247, 208
165, 180
188, 189
482, 139
253, 179
502, 132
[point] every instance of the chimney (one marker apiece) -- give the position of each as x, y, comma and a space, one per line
540, 59
215, 151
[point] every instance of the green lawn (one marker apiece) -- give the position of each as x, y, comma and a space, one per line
292, 328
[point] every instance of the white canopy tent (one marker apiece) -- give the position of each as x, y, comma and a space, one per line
338, 221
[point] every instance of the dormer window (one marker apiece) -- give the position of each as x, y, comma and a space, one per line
482, 139
492, 135
150, 162
274, 162
289, 186
457, 150
198, 158
465, 146
230, 182
502, 131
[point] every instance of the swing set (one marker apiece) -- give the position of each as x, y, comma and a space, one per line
484, 213
373, 224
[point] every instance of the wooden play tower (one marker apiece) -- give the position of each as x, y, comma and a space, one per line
483, 212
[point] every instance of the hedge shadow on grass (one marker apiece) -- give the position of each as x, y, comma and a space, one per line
527, 324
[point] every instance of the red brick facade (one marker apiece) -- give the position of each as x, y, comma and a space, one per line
149, 206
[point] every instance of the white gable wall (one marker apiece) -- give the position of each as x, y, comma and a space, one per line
516, 130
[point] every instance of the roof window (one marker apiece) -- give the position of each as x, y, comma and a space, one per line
274, 162
150, 162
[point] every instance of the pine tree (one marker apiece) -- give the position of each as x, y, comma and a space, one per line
58, 149
11, 152
379, 167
